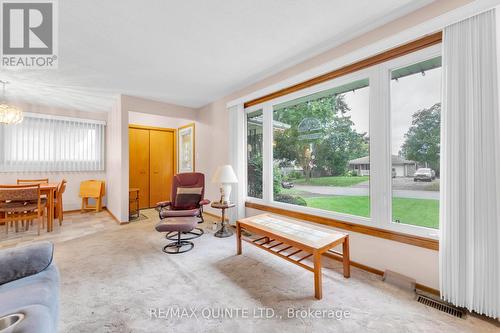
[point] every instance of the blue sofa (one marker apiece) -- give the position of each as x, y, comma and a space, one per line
29, 284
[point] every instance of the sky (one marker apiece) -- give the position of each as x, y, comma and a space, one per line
408, 95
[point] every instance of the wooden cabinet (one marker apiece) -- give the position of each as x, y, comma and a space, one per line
152, 163
139, 163
161, 165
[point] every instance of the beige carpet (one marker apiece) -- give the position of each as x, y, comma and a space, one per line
113, 281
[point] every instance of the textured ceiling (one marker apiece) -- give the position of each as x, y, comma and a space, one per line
188, 52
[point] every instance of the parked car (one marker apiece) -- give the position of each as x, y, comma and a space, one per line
424, 174
285, 184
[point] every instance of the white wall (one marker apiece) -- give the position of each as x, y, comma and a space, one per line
117, 161
173, 113
71, 200
154, 120
212, 146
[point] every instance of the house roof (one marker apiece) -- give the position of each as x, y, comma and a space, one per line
258, 120
396, 160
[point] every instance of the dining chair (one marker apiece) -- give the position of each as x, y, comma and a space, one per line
33, 181
58, 209
21, 203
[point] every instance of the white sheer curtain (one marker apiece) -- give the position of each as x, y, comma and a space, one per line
470, 167
51, 143
237, 157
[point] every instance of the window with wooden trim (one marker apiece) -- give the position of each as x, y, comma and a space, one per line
330, 149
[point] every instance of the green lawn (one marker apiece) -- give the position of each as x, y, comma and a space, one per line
420, 212
332, 181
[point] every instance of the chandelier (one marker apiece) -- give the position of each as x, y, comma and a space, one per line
9, 114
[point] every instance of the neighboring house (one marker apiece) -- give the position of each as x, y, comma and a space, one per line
401, 167
360, 165
254, 132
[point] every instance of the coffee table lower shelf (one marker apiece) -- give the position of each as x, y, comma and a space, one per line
295, 252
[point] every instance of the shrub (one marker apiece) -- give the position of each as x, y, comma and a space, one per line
276, 180
295, 175
255, 176
290, 199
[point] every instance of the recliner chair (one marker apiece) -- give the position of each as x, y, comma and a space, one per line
187, 200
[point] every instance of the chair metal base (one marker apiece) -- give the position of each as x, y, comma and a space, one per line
178, 247
195, 233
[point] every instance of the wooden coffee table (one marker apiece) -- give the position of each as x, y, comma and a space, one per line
295, 241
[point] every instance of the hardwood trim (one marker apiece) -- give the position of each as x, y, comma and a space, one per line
379, 272
74, 211
165, 129
369, 269
396, 52
175, 151
114, 217
427, 289
419, 241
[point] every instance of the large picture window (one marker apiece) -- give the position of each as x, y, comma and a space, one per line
321, 150
361, 148
49, 143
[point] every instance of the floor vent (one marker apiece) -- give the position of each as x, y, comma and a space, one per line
441, 306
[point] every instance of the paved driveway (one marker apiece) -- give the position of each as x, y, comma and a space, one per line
363, 189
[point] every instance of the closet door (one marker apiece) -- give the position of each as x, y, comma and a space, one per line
139, 163
161, 167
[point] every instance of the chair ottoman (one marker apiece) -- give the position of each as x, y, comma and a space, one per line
179, 225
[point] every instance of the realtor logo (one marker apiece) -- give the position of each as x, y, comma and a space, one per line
29, 32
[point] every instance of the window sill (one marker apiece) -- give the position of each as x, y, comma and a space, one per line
419, 241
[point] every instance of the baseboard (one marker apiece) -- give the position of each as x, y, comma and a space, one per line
104, 208
381, 273
72, 211
114, 217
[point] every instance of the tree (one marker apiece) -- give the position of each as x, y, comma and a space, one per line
422, 141
330, 146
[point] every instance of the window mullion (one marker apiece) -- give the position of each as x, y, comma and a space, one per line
267, 158
380, 154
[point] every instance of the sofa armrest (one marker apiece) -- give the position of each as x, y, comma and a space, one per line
204, 202
19, 262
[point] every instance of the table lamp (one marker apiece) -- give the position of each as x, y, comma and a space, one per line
225, 176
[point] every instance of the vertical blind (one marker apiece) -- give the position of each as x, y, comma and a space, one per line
51, 143
469, 247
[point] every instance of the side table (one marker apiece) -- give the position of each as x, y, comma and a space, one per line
223, 230
133, 200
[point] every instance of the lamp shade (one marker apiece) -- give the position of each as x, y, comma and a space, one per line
224, 175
